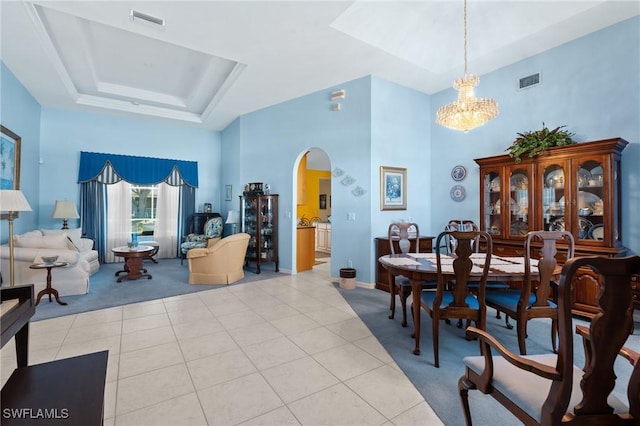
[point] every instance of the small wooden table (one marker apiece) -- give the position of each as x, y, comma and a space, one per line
133, 261
49, 290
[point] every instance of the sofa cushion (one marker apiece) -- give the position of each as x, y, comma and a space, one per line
43, 241
74, 234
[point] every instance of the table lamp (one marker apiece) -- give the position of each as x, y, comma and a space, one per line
232, 219
12, 201
65, 210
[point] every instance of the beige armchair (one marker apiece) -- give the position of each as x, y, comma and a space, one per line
220, 263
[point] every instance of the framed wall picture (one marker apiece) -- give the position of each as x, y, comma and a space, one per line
393, 188
227, 193
9, 159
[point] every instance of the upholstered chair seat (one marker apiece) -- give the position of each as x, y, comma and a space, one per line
212, 230
220, 263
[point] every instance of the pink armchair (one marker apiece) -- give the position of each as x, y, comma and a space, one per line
220, 263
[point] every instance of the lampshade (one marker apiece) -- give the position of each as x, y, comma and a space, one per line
232, 217
12, 200
65, 210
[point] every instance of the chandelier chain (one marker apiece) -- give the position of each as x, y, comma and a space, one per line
465, 37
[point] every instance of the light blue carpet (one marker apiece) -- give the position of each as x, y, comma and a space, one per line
169, 279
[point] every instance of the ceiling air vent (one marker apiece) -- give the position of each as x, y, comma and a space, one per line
148, 19
530, 80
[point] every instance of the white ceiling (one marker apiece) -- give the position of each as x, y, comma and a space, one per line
215, 60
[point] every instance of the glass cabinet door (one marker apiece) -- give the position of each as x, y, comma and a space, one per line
590, 209
492, 208
267, 236
553, 197
518, 207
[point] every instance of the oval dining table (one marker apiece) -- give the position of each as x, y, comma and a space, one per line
419, 267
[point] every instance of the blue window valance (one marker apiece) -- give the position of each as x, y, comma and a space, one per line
111, 168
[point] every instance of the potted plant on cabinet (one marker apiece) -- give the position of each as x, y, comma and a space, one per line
535, 142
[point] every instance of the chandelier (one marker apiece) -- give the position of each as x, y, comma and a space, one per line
468, 112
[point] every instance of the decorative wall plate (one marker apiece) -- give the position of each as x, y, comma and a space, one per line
458, 173
458, 193
358, 191
347, 180
337, 172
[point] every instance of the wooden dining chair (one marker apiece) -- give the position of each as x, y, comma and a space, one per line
450, 246
400, 234
533, 300
548, 389
452, 298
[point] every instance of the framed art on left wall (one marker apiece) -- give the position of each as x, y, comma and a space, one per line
393, 188
9, 159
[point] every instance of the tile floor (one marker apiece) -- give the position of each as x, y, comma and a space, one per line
285, 351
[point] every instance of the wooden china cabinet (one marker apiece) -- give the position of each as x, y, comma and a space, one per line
259, 219
575, 188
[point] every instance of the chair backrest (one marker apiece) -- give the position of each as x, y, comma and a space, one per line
213, 227
608, 332
403, 233
461, 225
547, 263
463, 265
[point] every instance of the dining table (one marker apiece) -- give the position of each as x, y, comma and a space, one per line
419, 267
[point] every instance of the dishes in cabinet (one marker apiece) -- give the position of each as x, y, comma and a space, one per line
597, 170
514, 207
596, 232
584, 176
557, 224
555, 179
519, 181
519, 227
585, 226
495, 184
586, 200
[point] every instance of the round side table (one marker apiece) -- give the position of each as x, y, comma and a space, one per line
49, 290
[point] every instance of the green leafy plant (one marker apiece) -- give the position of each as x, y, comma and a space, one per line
535, 142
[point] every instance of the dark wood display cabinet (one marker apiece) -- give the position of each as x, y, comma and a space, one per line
575, 188
259, 219
383, 248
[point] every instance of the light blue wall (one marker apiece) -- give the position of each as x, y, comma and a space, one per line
66, 133
592, 85
20, 113
271, 143
400, 138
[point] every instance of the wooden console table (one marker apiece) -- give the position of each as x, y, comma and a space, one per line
15, 319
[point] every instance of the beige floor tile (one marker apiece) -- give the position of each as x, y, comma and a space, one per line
220, 368
93, 332
147, 338
143, 309
151, 388
351, 329
317, 340
98, 317
110, 392
190, 315
39, 328
228, 308
189, 330
298, 379
239, 400
255, 333
217, 296
373, 346
280, 417
184, 302
347, 361
396, 396
184, 411
275, 312
337, 405
209, 344
295, 324
49, 340
148, 359
273, 352
147, 322
111, 344
419, 415
240, 319
329, 315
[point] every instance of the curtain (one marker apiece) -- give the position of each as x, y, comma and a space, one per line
187, 209
118, 218
165, 231
93, 213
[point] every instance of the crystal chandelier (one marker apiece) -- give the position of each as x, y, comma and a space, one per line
467, 112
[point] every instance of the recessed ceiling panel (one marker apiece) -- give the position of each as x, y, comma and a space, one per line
112, 63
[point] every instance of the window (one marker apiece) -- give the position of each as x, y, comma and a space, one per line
144, 199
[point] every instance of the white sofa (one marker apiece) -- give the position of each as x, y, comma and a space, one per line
67, 244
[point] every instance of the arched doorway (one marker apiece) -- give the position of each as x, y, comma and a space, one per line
313, 209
